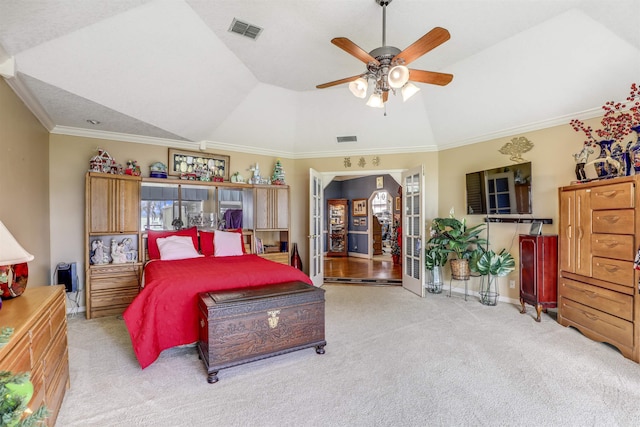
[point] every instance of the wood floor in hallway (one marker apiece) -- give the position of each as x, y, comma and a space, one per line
361, 270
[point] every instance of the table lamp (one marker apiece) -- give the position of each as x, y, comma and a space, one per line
13, 266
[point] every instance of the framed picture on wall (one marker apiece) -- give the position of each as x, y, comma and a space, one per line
194, 162
359, 207
363, 222
356, 221
398, 203
380, 182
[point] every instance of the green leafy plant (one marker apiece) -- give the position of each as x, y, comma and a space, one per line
492, 264
16, 391
453, 236
435, 256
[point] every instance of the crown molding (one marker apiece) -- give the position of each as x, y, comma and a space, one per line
190, 145
174, 143
11, 76
530, 127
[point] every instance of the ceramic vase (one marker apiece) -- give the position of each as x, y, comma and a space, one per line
634, 150
621, 154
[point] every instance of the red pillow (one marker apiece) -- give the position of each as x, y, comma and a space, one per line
152, 245
206, 243
207, 247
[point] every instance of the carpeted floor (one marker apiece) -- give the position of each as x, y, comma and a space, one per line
392, 359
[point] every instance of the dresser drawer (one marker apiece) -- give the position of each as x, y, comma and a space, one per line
122, 297
613, 270
40, 338
19, 360
111, 270
608, 301
619, 221
129, 280
617, 246
613, 196
615, 330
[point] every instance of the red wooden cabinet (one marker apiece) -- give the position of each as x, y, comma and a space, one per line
538, 272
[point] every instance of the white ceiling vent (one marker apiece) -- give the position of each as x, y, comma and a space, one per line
342, 139
244, 29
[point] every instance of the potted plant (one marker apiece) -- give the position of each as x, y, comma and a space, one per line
396, 249
453, 236
16, 391
435, 257
491, 265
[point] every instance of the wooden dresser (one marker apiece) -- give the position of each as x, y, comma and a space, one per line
38, 344
598, 285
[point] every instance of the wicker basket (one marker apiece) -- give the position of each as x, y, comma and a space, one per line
460, 269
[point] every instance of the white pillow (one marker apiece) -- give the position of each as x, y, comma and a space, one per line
176, 247
227, 243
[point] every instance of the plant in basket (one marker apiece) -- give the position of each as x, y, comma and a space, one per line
452, 235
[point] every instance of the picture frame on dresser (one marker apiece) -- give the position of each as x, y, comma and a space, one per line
185, 162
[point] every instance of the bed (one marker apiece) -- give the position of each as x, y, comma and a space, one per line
164, 314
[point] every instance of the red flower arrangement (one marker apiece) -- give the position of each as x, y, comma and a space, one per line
618, 121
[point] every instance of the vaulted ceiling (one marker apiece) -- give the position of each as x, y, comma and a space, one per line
170, 70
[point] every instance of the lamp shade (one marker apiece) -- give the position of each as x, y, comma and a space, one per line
10, 250
375, 101
409, 90
398, 76
359, 87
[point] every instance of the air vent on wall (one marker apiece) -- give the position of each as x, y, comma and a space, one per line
244, 29
347, 139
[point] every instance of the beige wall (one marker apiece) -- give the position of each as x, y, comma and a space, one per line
67, 184
552, 167
45, 182
24, 181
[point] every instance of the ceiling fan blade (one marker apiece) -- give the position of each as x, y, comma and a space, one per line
338, 82
355, 50
385, 96
430, 77
424, 44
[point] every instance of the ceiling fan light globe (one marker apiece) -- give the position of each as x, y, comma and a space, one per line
375, 101
409, 90
359, 87
398, 76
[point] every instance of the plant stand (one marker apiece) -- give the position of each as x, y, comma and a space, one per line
434, 280
466, 284
489, 290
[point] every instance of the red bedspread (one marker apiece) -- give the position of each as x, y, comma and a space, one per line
165, 313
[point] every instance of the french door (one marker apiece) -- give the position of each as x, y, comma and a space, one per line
316, 213
413, 230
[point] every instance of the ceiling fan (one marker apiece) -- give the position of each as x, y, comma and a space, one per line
387, 65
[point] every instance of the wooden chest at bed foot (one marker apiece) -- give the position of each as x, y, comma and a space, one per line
243, 325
